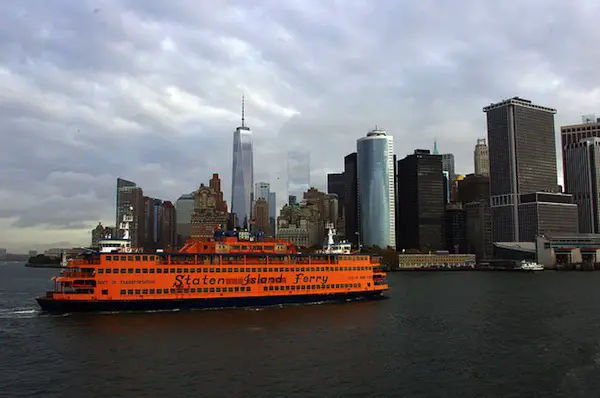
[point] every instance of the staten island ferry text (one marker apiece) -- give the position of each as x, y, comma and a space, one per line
188, 280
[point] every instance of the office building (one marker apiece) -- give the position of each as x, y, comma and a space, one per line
523, 180
481, 158
376, 189
351, 199
421, 205
242, 181
582, 180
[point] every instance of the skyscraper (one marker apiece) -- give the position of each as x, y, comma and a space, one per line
376, 189
582, 180
523, 185
335, 185
351, 198
129, 195
242, 181
298, 173
261, 191
481, 158
572, 134
421, 200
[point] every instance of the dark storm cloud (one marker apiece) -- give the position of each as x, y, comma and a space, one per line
150, 90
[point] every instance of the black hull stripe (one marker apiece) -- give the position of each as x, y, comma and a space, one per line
64, 306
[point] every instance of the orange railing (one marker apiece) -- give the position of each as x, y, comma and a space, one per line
77, 274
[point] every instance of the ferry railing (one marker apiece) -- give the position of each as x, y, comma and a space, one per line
80, 261
77, 274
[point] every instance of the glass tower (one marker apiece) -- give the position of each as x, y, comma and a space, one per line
376, 193
242, 182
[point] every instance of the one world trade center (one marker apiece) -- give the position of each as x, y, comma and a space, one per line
242, 181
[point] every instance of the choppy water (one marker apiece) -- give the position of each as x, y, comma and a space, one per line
455, 334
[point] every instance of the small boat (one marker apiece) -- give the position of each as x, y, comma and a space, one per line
530, 266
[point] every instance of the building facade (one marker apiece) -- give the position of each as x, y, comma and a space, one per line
582, 180
261, 217
207, 218
129, 195
421, 204
351, 198
572, 134
522, 162
184, 207
242, 182
481, 158
376, 189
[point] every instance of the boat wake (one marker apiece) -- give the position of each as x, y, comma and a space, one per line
19, 312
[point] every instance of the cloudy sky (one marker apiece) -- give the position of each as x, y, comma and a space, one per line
150, 90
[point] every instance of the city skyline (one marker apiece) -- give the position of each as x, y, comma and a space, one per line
77, 118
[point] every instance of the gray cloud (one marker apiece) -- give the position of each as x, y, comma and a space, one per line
150, 90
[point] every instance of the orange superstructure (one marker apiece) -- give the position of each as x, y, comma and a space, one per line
226, 271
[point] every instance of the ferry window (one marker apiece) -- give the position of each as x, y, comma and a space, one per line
193, 270
145, 291
137, 270
138, 291
247, 270
253, 269
151, 270
212, 289
104, 291
205, 270
230, 289
100, 270
108, 258
137, 258
129, 258
248, 288
265, 288
217, 269
260, 270
151, 258
144, 258
108, 271
122, 291
235, 270
159, 270
303, 287
276, 287
130, 271
123, 271
151, 291
193, 290
186, 270
172, 291
186, 290
144, 270
219, 290
158, 291
236, 289
211, 270
268, 269
229, 270
270, 287
179, 270
123, 258
172, 270
130, 291
200, 270
205, 290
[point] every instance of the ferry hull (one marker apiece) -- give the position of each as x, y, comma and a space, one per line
67, 306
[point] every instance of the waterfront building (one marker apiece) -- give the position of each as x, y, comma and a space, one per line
376, 189
523, 182
421, 201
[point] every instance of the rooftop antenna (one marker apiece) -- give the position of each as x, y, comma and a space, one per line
243, 110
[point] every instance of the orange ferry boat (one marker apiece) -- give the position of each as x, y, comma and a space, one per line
233, 269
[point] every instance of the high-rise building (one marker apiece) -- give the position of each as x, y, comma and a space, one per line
298, 173
421, 205
582, 180
336, 185
273, 212
242, 181
523, 184
573, 134
215, 184
351, 198
481, 158
261, 191
207, 217
129, 195
184, 208
376, 189
261, 217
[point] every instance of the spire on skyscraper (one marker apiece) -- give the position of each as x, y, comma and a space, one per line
435, 150
243, 110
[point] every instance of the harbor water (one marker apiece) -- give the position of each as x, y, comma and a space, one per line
439, 334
